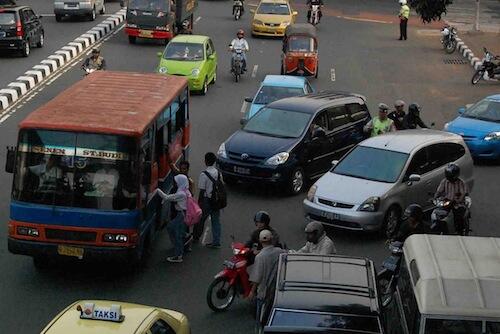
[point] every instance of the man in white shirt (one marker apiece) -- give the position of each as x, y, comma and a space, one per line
48, 173
106, 180
242, 44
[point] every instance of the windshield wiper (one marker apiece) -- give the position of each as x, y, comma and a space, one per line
360, 177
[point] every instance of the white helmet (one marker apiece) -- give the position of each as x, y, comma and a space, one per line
402, 2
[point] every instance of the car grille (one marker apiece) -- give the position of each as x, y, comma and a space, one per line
249, 159
335, 204
334, 222
70, 235
272, 24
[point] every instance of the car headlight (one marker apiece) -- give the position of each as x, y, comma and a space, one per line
278, 159
285, 23
446, 125
28, 231
492, 136
162, 69
371, 204
311, 193
258, 22
195, 72
112, 237
222, 151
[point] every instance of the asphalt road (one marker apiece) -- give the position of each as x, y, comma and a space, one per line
366, 58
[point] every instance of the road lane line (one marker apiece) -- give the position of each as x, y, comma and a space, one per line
197, 19
364, 20
254, 71
243, 107
332, 74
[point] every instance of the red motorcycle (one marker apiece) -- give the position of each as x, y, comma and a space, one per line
231, 281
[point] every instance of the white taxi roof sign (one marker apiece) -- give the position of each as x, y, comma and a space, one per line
90, 311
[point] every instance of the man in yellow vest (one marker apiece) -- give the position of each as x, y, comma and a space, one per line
404, 14
380, 124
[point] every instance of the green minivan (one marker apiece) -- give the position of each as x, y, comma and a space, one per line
192, 56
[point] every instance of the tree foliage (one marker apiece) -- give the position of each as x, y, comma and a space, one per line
430, 10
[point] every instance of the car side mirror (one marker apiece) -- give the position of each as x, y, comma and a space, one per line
211, 57
243, 121
335, 163
146, 173
249, 99
319, 133
159, 54
10, 161
461, 110
413, 178
40, 16
295, 13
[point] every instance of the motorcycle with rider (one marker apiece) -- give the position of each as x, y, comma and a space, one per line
238, 47
94, 63
314, 12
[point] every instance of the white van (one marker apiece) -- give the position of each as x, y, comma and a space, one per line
87, 8
447, 285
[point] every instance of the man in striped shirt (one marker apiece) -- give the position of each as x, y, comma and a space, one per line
453, 188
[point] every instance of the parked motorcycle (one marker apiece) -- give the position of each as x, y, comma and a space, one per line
489, 70
449, 39
232, 281
387, 276
314, 19
442, 220
237, 9
237, 64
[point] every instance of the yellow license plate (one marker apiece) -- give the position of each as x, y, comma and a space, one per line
145, 33
70, 251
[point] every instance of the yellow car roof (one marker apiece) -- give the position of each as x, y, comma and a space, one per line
69, 321
275, 1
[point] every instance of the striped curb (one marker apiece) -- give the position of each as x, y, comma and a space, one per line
30, 79
467, 53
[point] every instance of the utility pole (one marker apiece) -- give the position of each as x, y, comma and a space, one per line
476, 25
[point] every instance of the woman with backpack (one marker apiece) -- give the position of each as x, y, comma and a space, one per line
177, 226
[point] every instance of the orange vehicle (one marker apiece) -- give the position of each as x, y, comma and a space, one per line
300, 50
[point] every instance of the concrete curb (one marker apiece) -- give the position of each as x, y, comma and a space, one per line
467, 53
30, 79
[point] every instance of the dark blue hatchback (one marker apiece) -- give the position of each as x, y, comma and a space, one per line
294, 139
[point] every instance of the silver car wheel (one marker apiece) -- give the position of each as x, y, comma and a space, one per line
297, 181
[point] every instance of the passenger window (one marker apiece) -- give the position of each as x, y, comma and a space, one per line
492, 327
161, 327
25, 16
321, 120
208, 50
337, 117
358, 111
419, 164
180, 119
445, 326
211, 45
159, 144
308, 88
442, 154
31, 15
408, 300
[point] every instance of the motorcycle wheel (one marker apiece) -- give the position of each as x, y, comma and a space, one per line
220, 290
237, 14
477, 76
384, 284
450, 46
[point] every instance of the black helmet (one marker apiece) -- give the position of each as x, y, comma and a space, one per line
414, 211
314, 230
95, 51
262, 217
414, 109
452, 172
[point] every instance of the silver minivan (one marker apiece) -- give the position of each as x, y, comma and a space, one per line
87, 8
371, 186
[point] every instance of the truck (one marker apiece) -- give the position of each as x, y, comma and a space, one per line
159, 19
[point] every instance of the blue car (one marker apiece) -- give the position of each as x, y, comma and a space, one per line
479, 125
277, 87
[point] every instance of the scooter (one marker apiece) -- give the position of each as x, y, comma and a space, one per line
489, 70
387, 276
449, 39
237, 63
232, 281
237, 9
314, 19
442, 220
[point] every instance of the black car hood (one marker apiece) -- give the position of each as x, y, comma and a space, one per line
257, 144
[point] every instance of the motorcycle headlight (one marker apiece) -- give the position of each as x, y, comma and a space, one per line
370, 205
222, 151
162, 69
195, 72
311, 193
278, 159
492, 136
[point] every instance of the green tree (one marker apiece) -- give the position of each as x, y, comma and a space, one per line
430, 10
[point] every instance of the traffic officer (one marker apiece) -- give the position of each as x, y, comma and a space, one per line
380, 124
404, 14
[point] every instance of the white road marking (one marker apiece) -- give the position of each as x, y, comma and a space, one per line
254, 71
52, 14
244, 107
197, 19
363, 20
332, 74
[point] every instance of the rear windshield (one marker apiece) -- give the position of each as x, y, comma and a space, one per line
7, 18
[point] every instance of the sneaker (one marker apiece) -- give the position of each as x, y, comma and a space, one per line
174, 259
215, 246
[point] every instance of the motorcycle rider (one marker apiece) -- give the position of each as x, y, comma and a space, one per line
262, 220
453, 188
310, 3
242, 6
412, 120
317, 240
412, 223
398, 114
239, 43
94, 62
380, 124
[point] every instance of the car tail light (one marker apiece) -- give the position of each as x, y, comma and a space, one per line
19, 29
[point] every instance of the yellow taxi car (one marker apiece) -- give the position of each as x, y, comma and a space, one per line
272, 17
101, 316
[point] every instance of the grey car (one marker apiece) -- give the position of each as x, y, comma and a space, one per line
370, 187
87, 8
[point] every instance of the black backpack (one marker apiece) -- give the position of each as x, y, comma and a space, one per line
219, 196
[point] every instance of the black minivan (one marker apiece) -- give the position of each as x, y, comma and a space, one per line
20, 29
294, 139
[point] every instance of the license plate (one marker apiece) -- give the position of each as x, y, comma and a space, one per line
241, 170
145, 33
330, 215
71, 6
70, 251
2, 34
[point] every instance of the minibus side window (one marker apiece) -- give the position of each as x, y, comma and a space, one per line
408, 301
493, 327
445, 326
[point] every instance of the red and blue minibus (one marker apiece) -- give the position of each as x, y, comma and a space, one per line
87, 161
